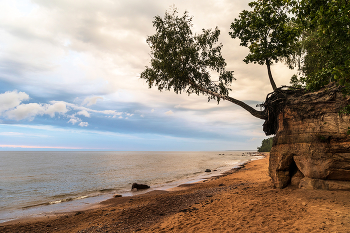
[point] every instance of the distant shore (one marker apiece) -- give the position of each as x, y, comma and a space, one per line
242, 200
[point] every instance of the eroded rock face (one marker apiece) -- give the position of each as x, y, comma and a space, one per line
312, 148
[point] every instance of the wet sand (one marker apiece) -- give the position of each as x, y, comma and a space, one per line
242, 200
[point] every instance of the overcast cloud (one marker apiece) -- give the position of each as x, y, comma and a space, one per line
76, 65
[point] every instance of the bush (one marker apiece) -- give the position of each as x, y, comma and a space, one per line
266, 145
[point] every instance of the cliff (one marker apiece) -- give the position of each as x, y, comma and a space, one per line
312, 145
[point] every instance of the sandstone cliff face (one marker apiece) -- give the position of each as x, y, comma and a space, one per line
312, 148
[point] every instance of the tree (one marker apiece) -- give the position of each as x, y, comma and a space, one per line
326, 43
182, 61
266, 145
268, 31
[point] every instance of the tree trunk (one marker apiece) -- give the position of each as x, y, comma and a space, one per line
258, 114
273, 84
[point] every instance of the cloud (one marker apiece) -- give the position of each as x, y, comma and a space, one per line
18, 134
58, 107
11, 106
11, 99
84, 113
73, 119
169, 112
110, 112
91, 100
83, 124
11, 134
25, 111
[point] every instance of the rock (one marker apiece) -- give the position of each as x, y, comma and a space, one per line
337, 185
307, 183
117, 195
139, 186
207, 170
312, 140
78, 213
296, 178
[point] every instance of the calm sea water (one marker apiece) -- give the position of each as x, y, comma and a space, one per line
33, 183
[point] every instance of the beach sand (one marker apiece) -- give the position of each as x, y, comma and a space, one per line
242, 200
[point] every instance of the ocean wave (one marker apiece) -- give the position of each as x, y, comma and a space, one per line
56, 201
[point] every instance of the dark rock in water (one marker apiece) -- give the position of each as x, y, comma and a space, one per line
139, 186
117, 195
207, 170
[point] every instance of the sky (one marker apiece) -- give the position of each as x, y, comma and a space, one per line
70, 79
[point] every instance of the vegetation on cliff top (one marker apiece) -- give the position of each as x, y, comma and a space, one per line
324, 48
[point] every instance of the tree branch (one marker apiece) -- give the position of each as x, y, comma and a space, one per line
258, 114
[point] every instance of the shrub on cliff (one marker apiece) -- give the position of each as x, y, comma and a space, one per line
266, 145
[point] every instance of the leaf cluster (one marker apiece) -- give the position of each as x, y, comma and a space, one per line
325, 42
268, 30
182, 61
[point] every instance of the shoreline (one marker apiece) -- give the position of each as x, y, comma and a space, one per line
91, 202
242, 200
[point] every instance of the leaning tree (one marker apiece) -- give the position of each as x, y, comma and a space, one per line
183, 61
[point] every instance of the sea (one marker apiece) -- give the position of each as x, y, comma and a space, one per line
43, 183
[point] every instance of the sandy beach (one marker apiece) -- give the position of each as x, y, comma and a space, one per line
242, 200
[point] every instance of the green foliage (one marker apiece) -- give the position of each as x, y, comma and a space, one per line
268, 30
182, 61
266, 145
326, 42
345, 110
297, 82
